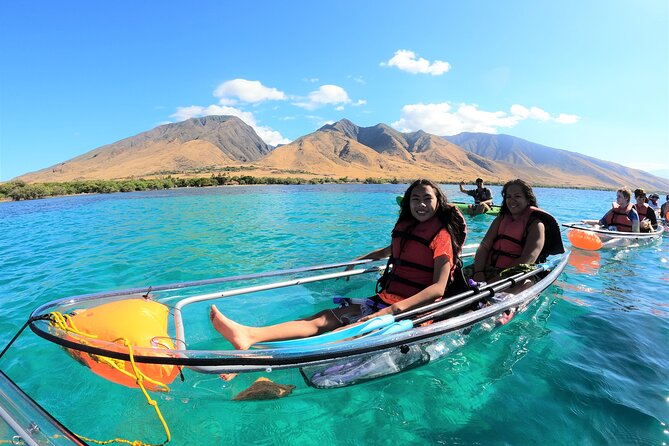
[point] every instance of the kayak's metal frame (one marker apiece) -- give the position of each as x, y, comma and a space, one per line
32, 424
178, 321
226, 361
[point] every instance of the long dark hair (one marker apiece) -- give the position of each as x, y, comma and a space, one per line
449, 216
527, 191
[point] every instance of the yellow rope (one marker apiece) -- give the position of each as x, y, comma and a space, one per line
65, 323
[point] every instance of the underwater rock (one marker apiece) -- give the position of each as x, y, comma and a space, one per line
264, 389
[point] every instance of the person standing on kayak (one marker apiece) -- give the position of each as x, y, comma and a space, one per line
482, 197
424, 254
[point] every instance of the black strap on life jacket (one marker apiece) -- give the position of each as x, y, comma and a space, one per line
622, 224
553, 240
389, 274
497, 253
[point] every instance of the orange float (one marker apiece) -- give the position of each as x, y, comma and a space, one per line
584, 239
143, 323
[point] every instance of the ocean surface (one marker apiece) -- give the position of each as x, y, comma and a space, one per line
586, 364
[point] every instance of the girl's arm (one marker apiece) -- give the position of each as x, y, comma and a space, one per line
483, 251
534, 243
377, 254
442, 271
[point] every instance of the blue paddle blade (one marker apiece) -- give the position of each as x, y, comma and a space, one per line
397, 327
332, 336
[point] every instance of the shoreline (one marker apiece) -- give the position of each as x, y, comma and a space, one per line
20, 191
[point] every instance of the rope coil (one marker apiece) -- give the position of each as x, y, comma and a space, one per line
64, 322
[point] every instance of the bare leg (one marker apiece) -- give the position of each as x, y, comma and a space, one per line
243, 336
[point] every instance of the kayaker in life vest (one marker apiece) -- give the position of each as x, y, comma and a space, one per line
426, 244
652, 202
647, 217
664, 210
521, 234
622, 217
482, 197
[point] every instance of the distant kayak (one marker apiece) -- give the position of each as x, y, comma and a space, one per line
464, 207
594, 237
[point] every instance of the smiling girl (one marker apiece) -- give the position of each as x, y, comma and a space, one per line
521, 234
424, 252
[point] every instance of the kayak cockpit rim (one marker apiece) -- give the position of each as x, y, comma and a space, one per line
219, 361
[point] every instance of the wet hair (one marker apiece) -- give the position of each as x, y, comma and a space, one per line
625, 193
448, 215
527, 191
639, 193
479, 180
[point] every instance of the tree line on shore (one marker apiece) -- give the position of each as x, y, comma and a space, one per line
19, 190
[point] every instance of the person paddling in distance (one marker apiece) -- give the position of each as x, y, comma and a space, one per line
622, 217
482, 197
647, 217
425, 248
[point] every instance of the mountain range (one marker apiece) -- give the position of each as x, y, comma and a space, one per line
341, 149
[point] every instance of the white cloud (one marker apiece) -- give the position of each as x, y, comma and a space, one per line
539, 114
442, 119
359, 103
406, 60
564, 118
325, 95
270, 136
520, 111
230, 92
357, 79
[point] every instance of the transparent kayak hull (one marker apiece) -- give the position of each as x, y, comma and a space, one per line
199, 349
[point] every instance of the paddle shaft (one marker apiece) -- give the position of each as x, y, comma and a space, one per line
452, 303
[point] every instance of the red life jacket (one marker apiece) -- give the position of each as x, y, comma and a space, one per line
643, 211
619, 218
512, 234
412, 259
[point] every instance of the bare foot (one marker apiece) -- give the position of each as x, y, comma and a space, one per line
235, 333
227, 376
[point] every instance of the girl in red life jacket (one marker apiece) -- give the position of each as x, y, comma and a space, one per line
622, 217
425, 248
645, 212
521, 234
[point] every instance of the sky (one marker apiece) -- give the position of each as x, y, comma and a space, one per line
586, 76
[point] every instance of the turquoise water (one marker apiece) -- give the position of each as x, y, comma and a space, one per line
587, 364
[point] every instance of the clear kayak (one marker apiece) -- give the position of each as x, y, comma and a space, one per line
594, 237
164, 330
26, 422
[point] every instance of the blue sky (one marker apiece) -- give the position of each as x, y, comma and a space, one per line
587, 76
